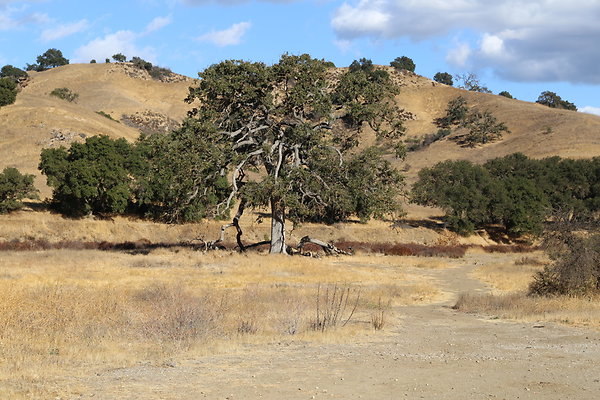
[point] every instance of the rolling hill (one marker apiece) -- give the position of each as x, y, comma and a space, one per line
135, 101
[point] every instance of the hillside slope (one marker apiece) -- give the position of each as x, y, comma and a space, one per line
535, 130
38, 120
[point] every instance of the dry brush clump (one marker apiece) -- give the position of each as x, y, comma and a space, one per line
404, 249
575, 270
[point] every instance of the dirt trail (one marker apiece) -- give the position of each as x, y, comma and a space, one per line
433, 352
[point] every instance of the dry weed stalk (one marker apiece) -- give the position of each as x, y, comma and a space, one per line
378, 317
331, 307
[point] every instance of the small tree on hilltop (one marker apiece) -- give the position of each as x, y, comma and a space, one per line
443, 77
8, 71
289, 124
119, 57
471, 83
50, 59
506, 94
403, 63
553, 100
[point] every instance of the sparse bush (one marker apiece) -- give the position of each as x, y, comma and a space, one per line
159, 73
65, 94
106, 115
456, 112
14, 187
506, 94
575, 269
483, 127
92, 61
428, 139
471, 83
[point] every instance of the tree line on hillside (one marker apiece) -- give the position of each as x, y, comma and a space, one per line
515, 192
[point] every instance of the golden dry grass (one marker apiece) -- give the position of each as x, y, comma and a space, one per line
509, 277
512, 272
67, 311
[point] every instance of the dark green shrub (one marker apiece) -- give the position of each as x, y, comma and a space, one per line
8, 71
90, 177
506, 94
456, 112
65, 94
14, 187
483, 127
8, 91
443, 77
107, 115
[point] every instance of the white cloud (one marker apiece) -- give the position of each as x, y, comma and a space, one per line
459, 55
590, 110
124, 42
158, 23
492, 46
227, 37
65, 30
16, 17
557, 37
105, 47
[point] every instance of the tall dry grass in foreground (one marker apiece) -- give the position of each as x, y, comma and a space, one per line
73, 312
510, 279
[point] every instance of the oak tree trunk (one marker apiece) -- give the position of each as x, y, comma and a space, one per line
278, 245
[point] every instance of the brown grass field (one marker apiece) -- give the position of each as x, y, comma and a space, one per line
65, 312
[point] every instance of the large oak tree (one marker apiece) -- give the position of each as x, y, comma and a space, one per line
290, 138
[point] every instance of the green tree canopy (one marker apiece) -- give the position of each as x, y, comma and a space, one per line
8, 71
90, 177
403, 63
14, 187
50, 59
295, 132
443, 77
8, 91
119, 57
553, 100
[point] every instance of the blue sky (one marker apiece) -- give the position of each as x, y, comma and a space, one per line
525, 47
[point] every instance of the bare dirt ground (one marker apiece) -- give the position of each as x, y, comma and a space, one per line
429, 351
